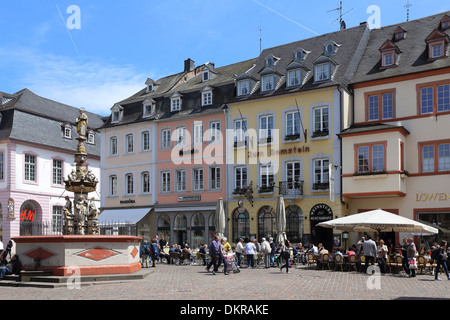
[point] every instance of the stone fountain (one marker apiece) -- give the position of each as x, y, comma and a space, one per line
80, 248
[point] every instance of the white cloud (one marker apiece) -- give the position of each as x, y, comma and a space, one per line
93, 85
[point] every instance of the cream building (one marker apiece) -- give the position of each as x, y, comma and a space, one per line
396, 154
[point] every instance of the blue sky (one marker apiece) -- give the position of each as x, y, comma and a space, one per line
122, 43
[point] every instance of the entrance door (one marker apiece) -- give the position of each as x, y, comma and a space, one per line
320, 213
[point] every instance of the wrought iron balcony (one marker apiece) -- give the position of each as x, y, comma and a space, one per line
291, 188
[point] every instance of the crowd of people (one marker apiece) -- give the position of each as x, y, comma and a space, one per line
220, 252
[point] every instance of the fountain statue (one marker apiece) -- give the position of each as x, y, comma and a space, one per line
81, 218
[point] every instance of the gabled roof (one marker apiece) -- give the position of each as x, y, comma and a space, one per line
414, 56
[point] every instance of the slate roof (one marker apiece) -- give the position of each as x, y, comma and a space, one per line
414, 54
350, 44
30, 118
189, 86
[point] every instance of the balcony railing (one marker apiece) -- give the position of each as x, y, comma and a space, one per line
291, 188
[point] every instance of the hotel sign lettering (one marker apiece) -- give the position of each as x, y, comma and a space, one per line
422, 197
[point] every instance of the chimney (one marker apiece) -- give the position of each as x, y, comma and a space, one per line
189, 65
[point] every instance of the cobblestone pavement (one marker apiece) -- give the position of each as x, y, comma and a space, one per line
195, 283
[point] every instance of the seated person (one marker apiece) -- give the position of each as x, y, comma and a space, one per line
186, 252
13, 267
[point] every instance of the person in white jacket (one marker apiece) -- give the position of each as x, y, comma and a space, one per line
266, 250
239, 251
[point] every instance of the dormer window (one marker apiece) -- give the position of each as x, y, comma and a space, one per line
243, 87
299, 55
270, 62
116, 113
294, 77
329, 49
267, 83
91, 137
322, 71
150, 85
389, 52
205, 76
148, 108
445, 23
207, 96
175, 103
67, 131
399, 34
437, 42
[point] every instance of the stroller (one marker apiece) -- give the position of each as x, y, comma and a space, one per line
232, 263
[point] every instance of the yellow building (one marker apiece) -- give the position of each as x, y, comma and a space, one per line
284, 123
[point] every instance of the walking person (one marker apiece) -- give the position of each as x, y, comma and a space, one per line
214, 253
286, 255
239, 251
265, 248
405, 256
273, 248
154, 252
411, 253
370, 251
223, 254
250, 250
382, 256
441, 257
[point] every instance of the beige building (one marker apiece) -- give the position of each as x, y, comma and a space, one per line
396, 154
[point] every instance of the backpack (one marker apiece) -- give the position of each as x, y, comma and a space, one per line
435, 254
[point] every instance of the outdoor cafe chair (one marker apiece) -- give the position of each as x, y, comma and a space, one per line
174, 257
421, 263
362, 262
351, 264
325, 261
338, 262
311, 260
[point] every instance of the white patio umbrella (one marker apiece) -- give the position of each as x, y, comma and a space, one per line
219, 219
378, 220
281, 221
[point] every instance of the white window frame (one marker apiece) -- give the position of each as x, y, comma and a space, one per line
129, 143
215, 133
292, 74
198, 133
181, 180
266, 176
180, 136
265, 133
146, 186
215, 178
113, 146
113, 185
166, 182
241, 169
145, 147
267, 83
205, 76
57, 215
293, 123
198, 179
67, 132
129, 184
243, 87
240, 134
30, 173
57, 171
166, 139
175, 104
322, 72
207, 98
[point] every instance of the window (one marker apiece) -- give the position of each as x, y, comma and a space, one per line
207, 98
243, 88
205, 76
240, 132
371, 158
321, 122
129, 184
116, 113
30, 167
180, 137
129, 138
380, 105
215, 131
294, 77
113, 150
198, 179
436, 51
57, 219
321, 174
240, 178
67, 132
388, 59
268, 83
434, 98
145, 182
215, 178
293, 172
435, 157
181, 180
165, 139
113, 185
145, 141
175, 104
198, 134
293, 125
91, 138
266, 126
270, 62
322, 72
165, 181
267, 178
57, 172
149, 108
2, 166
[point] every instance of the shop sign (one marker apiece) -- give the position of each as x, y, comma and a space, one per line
129, 201
27, 215
190, 198
321, 212
422, 197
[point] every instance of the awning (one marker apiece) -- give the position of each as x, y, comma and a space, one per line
127, 216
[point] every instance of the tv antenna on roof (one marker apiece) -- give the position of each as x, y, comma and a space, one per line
341, 21
407, 6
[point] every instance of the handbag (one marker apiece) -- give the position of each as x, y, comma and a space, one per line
412, 263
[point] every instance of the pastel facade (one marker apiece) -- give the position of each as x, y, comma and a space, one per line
36, 156
397, 152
